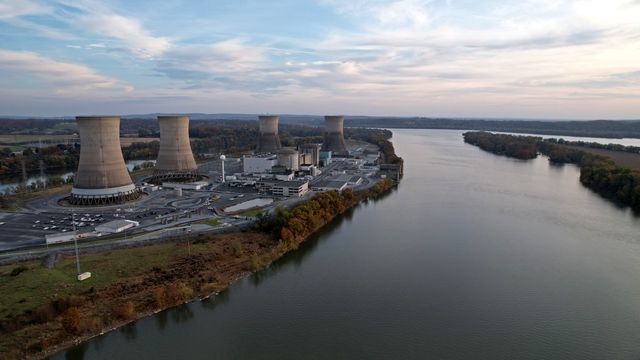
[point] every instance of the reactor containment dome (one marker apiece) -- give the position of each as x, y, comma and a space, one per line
102, 176
268, 140
175, 159
334, 136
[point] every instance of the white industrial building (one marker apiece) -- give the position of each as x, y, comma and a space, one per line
284, 188
258, 164
197, 185
116, 226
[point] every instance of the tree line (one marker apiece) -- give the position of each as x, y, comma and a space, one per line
292, 227
595, 128
598, 173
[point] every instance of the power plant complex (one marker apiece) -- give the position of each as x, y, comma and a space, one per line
218, 192
103, 179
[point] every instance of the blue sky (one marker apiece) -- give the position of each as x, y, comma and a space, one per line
528, 59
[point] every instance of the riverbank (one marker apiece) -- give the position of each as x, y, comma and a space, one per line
613, 176
44, 310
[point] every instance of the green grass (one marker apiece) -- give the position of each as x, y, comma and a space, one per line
251, 212
38, 285
211, 222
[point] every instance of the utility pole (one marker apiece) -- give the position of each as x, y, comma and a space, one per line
75, 240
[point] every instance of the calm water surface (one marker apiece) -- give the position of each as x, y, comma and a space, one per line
475, 256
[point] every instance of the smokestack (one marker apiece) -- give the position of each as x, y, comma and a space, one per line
102, 176
268, 140
175, 159
334, 135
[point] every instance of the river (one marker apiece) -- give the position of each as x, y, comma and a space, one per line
8, 184
474, 256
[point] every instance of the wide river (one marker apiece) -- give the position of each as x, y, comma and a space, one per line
474, 256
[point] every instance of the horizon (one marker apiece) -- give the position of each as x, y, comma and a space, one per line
153, 114
545, 60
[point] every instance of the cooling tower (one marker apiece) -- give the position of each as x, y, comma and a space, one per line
102, 176
268, 140
334, 135
175, 159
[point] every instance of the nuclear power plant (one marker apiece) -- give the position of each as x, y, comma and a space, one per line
211, 195
102, 176
334, 136
268, 140
175, 159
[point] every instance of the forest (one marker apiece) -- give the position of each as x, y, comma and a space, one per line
598, 173
521, 147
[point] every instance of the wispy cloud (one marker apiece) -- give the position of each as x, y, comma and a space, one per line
60, 77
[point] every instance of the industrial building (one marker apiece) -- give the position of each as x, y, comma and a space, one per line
258, 164
329, 185
288, 158
284, 188
175, 159
334, 136
268, 140
325, 158
102, 176
116, 226
310, 154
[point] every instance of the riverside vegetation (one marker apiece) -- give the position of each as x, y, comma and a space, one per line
599, 173
43, 311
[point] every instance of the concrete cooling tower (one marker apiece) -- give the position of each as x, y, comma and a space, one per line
268, 140
175, 159
334, 136
102, 176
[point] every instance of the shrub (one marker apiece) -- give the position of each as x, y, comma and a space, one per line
179, 292
236, 247
160, 297
71, 321
126, 311
17, 270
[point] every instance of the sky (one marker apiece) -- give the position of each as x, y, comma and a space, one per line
573, 59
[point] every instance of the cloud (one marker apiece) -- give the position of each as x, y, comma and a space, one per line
85, 16
61, 76
129, 31
14, 9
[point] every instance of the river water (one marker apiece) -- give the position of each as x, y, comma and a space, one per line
474, 256
8, 184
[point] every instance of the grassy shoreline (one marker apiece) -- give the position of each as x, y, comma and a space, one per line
46, 311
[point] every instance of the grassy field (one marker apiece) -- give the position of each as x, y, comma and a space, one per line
622, 159
211, 222
18, 139
10, 139
38, 285
149, 278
